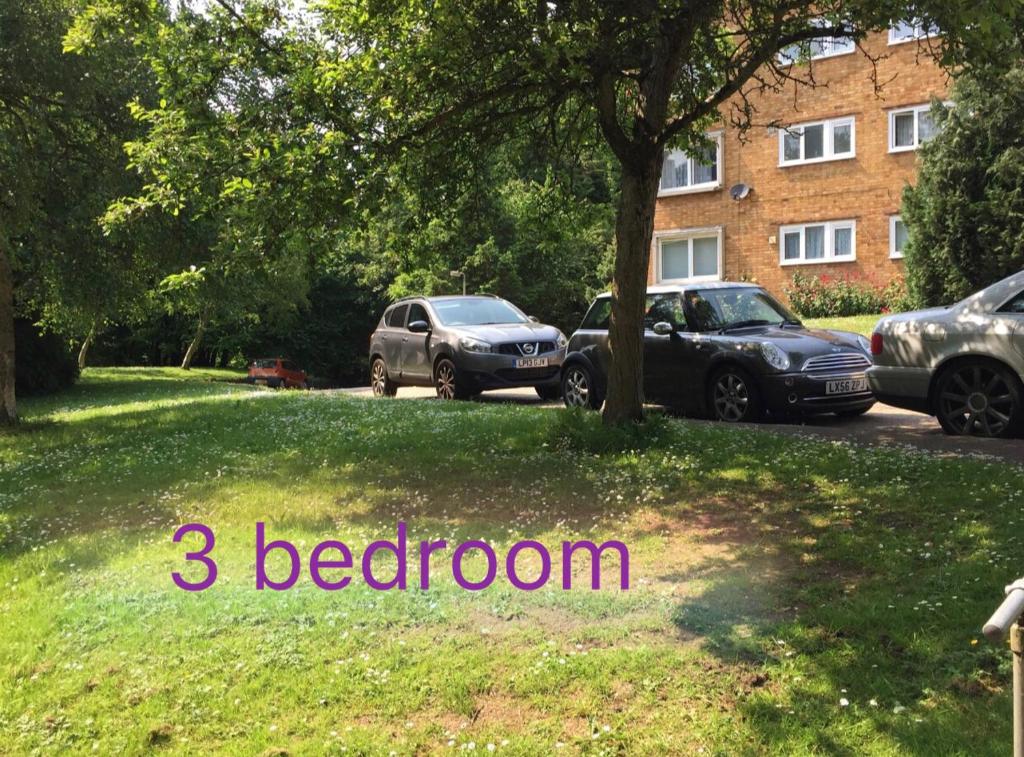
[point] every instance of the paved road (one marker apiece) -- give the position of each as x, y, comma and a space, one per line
882, 425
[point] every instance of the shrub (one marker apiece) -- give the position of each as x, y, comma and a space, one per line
828, 297
965, 216
43, 362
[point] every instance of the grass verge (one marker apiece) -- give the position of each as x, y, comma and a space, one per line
788, 595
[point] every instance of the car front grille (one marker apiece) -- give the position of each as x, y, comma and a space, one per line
842, 361
526, 349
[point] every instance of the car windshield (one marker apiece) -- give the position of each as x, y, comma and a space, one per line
718, 309
476, 311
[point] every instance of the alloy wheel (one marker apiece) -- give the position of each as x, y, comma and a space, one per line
577, 388
977, 400
378, 378
444, 380
731, 398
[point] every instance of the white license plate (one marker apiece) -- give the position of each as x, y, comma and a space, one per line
846, 386
532, 362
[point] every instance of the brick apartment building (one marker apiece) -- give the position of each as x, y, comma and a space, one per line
824, 191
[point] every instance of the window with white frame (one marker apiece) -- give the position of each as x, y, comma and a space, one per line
817, 48
910, 127
822, 242
696, 172
897, 236
690, 255
908, 31
817, 142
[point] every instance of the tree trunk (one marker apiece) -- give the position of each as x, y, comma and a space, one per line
8, 402
190, 353
83, 352
634, 226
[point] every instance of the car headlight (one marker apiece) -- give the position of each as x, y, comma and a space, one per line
470, 344
864, 342
561, 341
774, 356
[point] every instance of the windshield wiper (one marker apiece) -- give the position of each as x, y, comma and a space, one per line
744, 324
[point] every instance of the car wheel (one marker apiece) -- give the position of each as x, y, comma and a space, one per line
578, 388
549, 392
978, 399
380, 383
733, 397
447, 382
282, 384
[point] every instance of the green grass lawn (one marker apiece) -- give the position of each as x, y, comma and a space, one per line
789, 595
860, 324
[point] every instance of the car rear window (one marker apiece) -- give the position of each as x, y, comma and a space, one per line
418, 313
266, 363
666, 308
1015, 305
598, 315
395, 318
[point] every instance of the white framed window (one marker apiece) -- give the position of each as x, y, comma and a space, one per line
817, 142
817, 48
819, 242
897, 237
689, 254
682, 173
908, 31
911, 126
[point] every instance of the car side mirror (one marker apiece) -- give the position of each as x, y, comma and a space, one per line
663, 328
534, 318
419, 327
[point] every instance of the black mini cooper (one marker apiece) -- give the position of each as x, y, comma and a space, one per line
728, 351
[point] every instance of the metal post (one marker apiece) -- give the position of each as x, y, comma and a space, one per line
1017, 647
455, 275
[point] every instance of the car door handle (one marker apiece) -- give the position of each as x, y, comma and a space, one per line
405, 339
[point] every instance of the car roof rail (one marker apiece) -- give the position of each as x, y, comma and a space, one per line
407, 298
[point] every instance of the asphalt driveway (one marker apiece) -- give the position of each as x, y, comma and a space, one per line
883, 425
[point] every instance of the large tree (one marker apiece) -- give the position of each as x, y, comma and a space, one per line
63, 121
966, 212
437, 80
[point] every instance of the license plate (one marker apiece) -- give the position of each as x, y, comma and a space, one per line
532, 362
846, 386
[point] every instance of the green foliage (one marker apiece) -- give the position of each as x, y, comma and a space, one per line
45, 362
965, 216
537, 237
828, 296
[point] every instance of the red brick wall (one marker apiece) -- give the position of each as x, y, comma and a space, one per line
866, 188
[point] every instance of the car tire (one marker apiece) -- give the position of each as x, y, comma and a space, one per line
380, 383
448, 383
734, 397
549, 392
979, 398
578, 388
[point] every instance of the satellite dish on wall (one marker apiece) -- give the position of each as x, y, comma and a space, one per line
739, 191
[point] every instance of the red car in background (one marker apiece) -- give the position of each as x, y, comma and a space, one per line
277, 372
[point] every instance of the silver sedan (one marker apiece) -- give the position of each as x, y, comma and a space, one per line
963, 363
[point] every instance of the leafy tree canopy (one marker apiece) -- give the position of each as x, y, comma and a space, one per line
966, 213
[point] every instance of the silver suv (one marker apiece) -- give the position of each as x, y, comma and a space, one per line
464, 345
